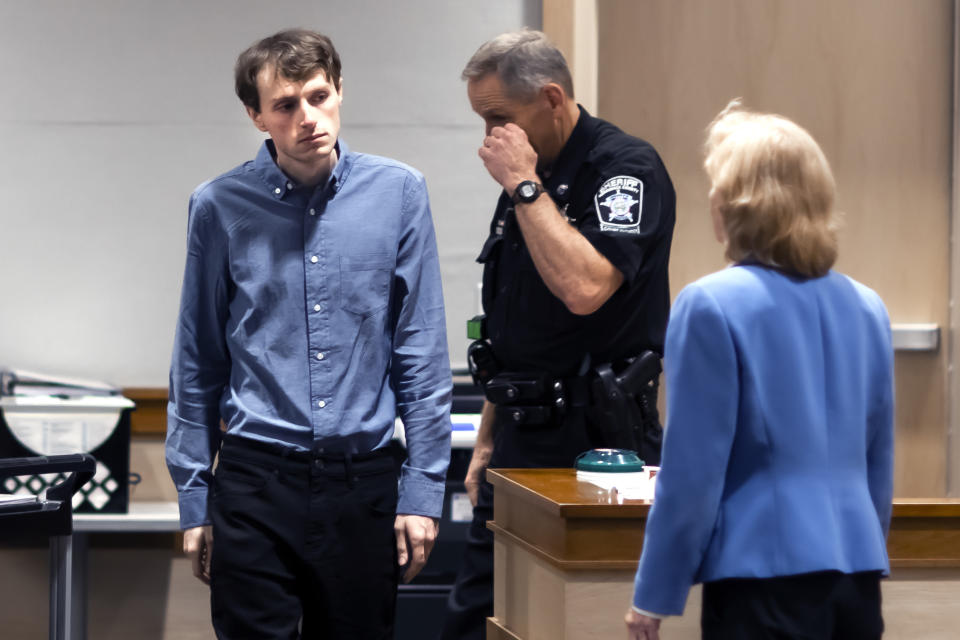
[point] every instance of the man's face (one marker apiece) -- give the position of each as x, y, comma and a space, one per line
490, 102
302, 118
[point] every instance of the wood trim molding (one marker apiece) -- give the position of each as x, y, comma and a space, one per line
573, 26
622, 564
953, 331
926, 508
914, 542
150, 416
549, 514
497, 631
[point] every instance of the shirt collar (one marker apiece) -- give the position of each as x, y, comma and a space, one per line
571, 157
280, 184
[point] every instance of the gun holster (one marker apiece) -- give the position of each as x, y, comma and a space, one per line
625, 406
481, 362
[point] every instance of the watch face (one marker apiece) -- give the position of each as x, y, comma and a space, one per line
527, 190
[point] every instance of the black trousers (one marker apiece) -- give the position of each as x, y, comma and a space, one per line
471, 601
303, 544
816, 606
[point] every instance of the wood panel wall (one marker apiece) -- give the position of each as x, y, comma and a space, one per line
872, 81
150, 417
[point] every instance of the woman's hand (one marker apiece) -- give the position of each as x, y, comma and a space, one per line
641, 627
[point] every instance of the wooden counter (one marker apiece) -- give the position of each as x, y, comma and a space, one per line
565, 553
925, 532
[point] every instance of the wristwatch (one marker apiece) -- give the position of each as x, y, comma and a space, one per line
527, 191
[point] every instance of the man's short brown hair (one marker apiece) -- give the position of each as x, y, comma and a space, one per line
775, 190
294, 54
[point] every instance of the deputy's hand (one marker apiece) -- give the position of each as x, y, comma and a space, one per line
415, 538
508, 156
641, 627
478, 465
198, 545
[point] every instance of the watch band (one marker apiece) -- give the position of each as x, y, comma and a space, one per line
526, 192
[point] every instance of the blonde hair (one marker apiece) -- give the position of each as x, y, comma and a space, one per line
775, 191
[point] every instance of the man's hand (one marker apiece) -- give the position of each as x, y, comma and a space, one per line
508, 156
415, 538
482, 451
641, 627
478, 464
198, 545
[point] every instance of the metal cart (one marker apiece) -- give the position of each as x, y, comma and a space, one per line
49, 516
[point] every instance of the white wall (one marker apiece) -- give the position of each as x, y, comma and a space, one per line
112, 111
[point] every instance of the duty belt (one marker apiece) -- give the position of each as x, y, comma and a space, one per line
619, 399
537, 398
527, 398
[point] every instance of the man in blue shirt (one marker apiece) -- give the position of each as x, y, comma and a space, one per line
311, 316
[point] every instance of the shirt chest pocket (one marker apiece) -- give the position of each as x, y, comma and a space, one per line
365, 282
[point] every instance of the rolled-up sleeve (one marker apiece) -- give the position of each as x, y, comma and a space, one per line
420, 369
200, 367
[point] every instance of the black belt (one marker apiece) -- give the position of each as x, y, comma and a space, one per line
275, 455
507, 388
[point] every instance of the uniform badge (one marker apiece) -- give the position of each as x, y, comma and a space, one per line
618, 203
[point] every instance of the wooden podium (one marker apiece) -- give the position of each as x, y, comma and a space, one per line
565, 555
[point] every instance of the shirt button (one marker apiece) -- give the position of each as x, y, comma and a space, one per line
289, 186
277, 190
314, 259
317, 307
321, 404
319, 356
313, 212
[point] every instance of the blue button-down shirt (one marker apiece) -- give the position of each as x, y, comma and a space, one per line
311, 317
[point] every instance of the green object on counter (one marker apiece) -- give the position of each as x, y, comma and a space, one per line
609, 460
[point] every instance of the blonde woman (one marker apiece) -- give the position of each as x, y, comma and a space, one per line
777, 473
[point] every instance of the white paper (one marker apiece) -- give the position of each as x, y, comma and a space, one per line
45, 432
64, 437
10, 500
460, 508
635, 485
28, 378
638, 493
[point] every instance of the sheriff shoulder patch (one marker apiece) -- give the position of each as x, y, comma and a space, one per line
618, 202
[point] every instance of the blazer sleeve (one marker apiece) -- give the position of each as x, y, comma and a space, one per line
700, 360
880, 429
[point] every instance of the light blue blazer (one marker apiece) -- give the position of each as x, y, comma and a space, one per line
778, 449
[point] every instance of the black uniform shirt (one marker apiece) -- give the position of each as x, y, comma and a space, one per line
615, 190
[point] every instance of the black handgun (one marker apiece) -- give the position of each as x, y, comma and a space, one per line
640, 373
625, 406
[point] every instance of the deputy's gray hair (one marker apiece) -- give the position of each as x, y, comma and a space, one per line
524, 60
